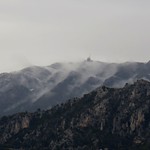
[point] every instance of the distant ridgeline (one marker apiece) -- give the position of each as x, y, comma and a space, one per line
43, 87
106, 118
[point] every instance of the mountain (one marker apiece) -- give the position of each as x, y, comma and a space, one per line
106, 118
43, 87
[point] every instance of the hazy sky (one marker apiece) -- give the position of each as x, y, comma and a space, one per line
40, 32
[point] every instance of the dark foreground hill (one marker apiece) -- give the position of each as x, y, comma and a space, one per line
107, 118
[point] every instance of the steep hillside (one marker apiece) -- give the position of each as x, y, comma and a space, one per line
106, 118
43, 87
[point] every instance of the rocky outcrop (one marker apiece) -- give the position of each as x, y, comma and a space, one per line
106, 118
13, 125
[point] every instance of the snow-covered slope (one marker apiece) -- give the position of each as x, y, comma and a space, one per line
41, 87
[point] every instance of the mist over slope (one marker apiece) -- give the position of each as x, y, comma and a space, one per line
106, 118
43, 87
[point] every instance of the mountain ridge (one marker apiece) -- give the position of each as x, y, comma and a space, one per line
44, 87
106, 118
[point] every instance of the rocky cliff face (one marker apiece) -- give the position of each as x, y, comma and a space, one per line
106, 118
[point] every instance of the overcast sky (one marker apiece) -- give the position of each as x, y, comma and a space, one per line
40, 32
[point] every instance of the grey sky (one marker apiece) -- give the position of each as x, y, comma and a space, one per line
40, 32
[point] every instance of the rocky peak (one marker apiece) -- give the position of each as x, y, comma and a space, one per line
141, 82
89, 59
